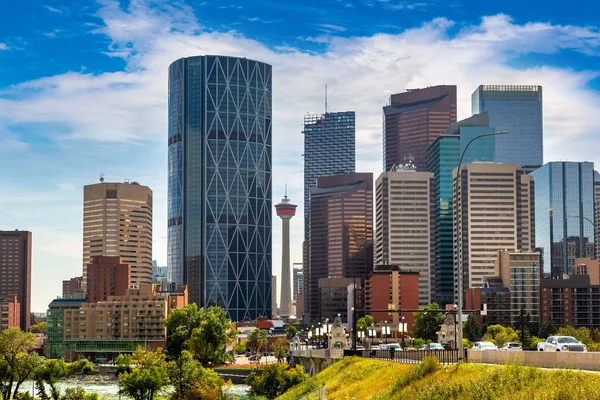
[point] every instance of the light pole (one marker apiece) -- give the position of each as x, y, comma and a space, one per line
403, 329
372, 333
459, 240
385, 331
581, 217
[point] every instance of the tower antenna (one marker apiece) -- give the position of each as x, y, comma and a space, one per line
326, 99
285, 193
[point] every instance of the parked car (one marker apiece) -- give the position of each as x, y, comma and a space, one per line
360, 348
561, 343
510, 346
485, 346
432, 346
395, 346
447, 346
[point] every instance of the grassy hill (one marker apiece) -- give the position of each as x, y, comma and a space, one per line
362, 379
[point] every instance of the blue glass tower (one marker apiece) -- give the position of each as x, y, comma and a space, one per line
442, 159
518, 110
564, 214
219, 200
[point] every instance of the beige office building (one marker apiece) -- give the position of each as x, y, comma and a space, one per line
495, 212
117, 221
403, 224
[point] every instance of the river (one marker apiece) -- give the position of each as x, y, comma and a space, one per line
110, 390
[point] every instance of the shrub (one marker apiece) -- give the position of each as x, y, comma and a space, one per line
76, 393
275, 380
24, 396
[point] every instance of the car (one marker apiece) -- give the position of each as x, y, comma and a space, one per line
360, 348
561, 343
510, 346
485, 346
410, 349
376, 347
447, 346
394, 346
432, 346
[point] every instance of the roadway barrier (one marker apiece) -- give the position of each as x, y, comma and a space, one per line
589, 361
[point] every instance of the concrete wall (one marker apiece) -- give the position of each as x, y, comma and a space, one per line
589, 361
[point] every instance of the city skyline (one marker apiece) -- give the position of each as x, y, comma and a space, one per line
104, 110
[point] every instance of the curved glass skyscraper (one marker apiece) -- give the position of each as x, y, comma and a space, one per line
219, 209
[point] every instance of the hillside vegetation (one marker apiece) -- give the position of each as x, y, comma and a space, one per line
362, 379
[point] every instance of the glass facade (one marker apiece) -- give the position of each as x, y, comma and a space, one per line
219, 200
329, 149
564, 214
518, 110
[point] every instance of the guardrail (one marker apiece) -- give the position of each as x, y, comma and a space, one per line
410, 356
589, 361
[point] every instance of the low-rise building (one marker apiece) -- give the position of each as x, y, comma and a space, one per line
571, 301
55, 324
10, 313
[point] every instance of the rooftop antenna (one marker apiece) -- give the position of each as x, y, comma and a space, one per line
285, 193
326, 99
102, 177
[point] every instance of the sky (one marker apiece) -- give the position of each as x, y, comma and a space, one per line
83, 90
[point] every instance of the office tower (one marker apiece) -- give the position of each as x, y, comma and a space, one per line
15, 271
274, 297
329, 149
412, 121
403, 231
334, 297
298, 280
219, 204
341, 233
518, 110
285, 211
597, 212
564, 214
442, 159
155, 269
117, 222
493, 211
107, 276
72, 286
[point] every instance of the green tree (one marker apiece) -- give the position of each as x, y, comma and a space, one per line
281, 348
257, 339
364, 322
239, 348
181, 324
187, 374
500, 335
17, 362
275, 380
48, 374
472, 330
290, 331
428, 322
566, 331
40, 327
148, 375
547, 328
210, 340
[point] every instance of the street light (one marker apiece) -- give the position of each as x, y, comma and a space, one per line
403, 329
372, 333
385, 331
459, 240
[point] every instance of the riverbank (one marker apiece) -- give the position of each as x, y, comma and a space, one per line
362, 379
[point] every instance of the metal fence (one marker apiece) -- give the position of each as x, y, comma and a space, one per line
412, 357
316, 394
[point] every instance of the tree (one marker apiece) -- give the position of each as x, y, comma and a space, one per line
181, 324
48, 374
210, 340
17, 362
281, 348
275, 380
500, 335
147, 377
547, 328
364, 322
472, 330
257, 339
428, 322
40, 327
191, 380
239, 348
290, 331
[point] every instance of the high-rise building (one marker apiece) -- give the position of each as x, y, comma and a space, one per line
72, 286
117, 222
219, 204
274, 297
403, 224
564, 214
442, 158
341, 233
413, 120
285, 211
15, 271
329, 149
107, 276
597, 212
518, 110
298, 280
10, 313
493, 211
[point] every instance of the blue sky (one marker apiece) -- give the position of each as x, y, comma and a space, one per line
83, 89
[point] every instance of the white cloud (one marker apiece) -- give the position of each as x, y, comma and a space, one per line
54, 10
332, 28
3, 46
130, 106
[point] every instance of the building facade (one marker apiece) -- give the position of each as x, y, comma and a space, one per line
564, 214
341, 234
570, 301
334, 297
117, 222
55, 325
403, 233
518, 110
15, 271
107, 276
597, 212
10, 313
493, 211
219, 202
72, 286
413, 120
329, 149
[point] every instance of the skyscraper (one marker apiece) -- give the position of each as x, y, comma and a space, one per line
15, 271
285, 210
518, 110
329, 149
442, 159
493, 211
341, 234
564, 214
413, 120
219, 204
403, 231
117, 221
